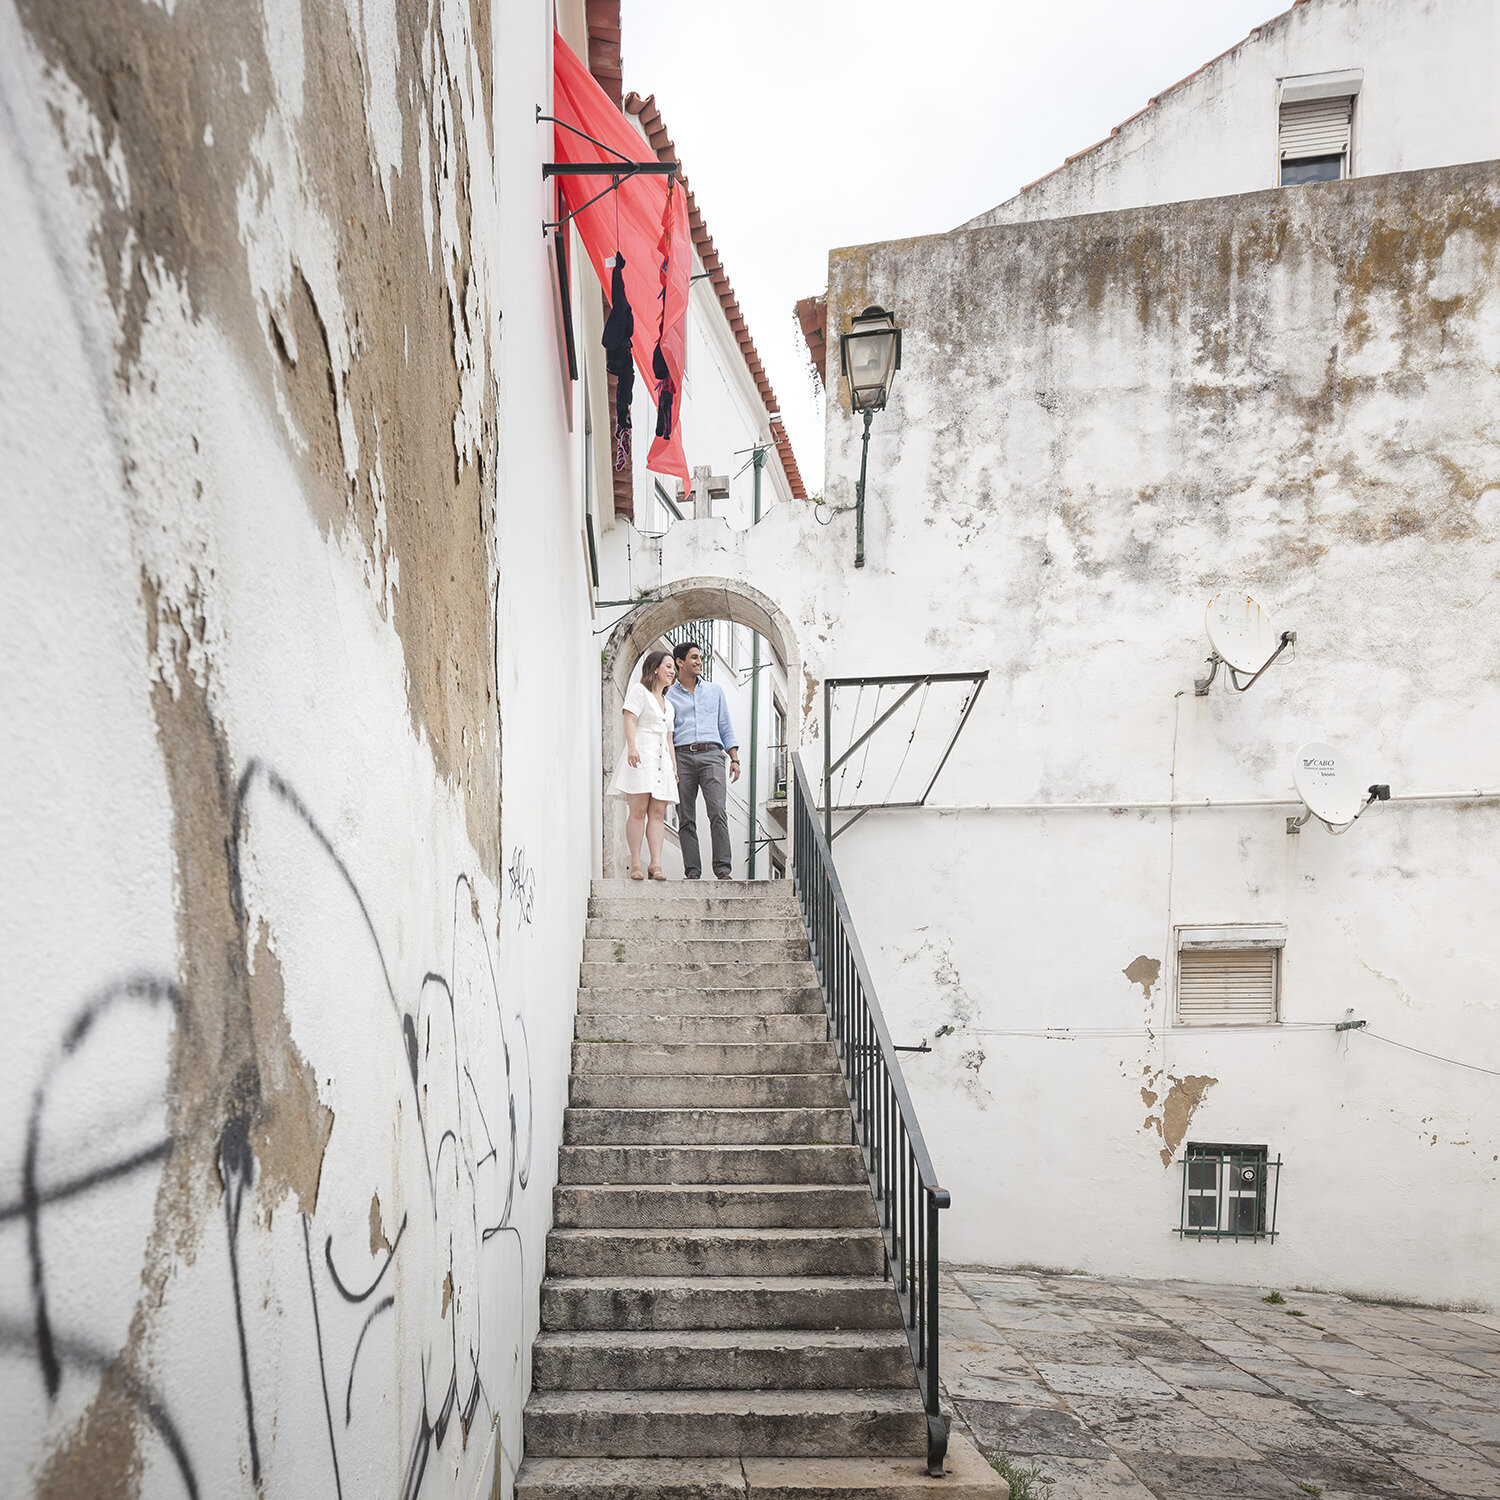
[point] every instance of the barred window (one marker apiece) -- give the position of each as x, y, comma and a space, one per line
1228, 1192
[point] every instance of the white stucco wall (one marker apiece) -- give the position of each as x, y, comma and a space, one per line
298, 801
1099, 423
1427, 100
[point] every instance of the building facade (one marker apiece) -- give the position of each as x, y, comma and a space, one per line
1102, 422
1327, 90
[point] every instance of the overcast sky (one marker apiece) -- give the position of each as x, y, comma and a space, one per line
807, 124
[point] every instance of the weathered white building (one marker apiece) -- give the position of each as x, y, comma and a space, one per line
1101, 421
1328, 89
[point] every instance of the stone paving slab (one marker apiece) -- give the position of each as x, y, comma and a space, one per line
1124, 1389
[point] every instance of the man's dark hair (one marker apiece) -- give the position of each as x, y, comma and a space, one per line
681, 649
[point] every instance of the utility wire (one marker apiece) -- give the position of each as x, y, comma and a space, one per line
1453, 1061
1078, 1033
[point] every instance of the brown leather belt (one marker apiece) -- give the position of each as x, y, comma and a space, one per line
719, 748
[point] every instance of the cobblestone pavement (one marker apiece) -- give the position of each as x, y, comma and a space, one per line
1129, 1389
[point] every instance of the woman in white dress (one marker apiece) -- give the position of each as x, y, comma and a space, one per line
646, 776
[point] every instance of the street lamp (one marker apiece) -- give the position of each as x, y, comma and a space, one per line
869, 356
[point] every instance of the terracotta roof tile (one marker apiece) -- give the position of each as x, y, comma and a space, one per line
656, 132
812, 317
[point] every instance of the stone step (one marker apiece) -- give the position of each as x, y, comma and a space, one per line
578, 1165
715, 1206
656, 947
704, 1057
666, 1302
798, 999
691, 890
704, 1424
679, 1091
696, 929
967, 1476
722, 1359
674, 976
715, 1252
642, 1026
706, 1127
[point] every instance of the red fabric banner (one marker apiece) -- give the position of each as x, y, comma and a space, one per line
646, 223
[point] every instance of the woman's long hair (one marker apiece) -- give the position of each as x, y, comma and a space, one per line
649, 669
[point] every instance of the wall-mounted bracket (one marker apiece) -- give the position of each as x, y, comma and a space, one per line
1348, 1025
1380, 792
1201, 685
617, 173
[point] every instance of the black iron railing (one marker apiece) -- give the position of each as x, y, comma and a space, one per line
885, 1125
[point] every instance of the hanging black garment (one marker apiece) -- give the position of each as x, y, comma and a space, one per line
664, 395
618, 327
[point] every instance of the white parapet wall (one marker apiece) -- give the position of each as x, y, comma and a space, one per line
300, 765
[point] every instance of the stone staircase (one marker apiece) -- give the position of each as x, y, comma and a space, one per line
715, 1317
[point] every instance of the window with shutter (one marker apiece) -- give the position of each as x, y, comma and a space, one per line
1227, 986
1314, 140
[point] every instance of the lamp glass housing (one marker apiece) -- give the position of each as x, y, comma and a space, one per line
871, 355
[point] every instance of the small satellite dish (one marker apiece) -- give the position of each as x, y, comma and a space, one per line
1326, 784
1240, 631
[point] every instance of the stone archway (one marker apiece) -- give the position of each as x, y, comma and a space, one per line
676, 604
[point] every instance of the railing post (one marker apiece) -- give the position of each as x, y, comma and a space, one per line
937, 1429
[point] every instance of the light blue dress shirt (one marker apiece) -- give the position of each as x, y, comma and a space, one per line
702, 716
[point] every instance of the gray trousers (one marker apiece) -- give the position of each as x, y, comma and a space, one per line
702, 770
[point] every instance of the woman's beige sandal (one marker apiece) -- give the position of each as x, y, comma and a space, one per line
636, 873
655, 873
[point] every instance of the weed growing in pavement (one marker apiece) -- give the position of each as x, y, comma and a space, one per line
1025, 1484
1308, 1489
1292, 1312
1275, 1299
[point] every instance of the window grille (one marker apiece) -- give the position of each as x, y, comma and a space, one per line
1224, 986
699, 633
1229, 1193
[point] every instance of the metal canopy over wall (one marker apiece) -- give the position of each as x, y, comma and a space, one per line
904, 704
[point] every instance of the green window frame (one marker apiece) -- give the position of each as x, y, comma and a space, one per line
1228, 1192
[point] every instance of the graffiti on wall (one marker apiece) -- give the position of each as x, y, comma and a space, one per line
410, 1190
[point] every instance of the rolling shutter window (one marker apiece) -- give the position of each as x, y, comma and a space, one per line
1224, 986
1315, 127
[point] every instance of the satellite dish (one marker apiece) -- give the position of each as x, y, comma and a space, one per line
1240, 631
1326, 784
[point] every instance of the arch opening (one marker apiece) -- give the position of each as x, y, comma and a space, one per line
676, 604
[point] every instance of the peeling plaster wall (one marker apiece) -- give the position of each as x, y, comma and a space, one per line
289, 984
1099, 423
1427, 100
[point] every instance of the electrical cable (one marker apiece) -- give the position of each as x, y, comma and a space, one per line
1407, 1047
1099, 1033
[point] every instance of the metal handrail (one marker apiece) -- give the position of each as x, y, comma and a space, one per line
907, 1195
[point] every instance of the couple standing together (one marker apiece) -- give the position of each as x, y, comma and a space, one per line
677, 732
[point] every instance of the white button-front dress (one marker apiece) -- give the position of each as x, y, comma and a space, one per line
653, 733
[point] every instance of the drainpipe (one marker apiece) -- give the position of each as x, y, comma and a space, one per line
758, 457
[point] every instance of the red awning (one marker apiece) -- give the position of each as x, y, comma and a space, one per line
646, 221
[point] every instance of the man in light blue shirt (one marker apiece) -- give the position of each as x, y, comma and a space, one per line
702, 733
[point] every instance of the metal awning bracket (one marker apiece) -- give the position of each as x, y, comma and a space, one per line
616, 174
